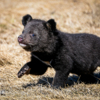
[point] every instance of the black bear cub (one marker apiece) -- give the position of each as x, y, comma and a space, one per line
67, 53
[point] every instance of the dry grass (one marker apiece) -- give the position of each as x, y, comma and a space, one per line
71, 16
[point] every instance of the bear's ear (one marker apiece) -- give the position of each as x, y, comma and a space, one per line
51, 24
26, 19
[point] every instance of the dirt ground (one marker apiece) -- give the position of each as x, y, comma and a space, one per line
74, 16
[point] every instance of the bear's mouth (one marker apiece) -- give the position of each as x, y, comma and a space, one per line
22, 45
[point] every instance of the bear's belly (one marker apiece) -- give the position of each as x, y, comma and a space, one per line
79, 69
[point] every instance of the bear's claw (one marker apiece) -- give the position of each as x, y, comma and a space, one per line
23, 70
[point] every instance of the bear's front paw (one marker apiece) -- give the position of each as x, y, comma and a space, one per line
23, 70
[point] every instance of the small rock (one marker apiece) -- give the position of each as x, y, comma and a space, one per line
2, 92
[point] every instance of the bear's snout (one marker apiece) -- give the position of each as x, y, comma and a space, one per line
20, 39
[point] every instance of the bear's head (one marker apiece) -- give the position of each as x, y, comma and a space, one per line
38, 35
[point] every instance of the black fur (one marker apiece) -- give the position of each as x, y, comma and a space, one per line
35, 67
67, 53
26, 19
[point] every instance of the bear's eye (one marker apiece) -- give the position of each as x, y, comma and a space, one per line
33, 34
22, 32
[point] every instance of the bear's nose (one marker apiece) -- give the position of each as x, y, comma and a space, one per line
20, 39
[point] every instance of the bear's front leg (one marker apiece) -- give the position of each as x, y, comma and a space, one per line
36, 67
60, 79
62, 67
24, 70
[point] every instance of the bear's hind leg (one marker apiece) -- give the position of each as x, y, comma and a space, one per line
88, 78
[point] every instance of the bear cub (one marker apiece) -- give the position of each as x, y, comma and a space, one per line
66, 52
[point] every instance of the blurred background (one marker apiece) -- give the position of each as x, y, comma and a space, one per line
73, 16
